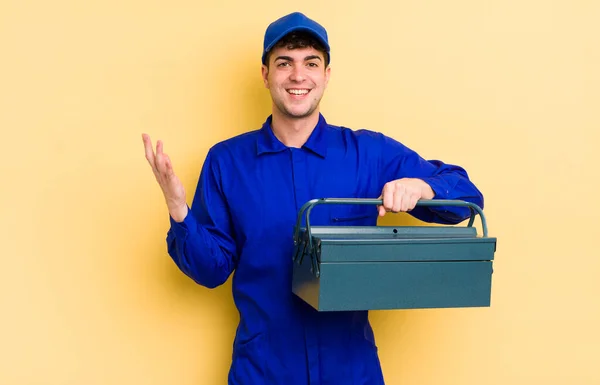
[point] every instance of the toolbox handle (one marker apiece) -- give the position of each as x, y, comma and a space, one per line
308, 206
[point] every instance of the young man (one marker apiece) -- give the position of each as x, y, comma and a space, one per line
249, 193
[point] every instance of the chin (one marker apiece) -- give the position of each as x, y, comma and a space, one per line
296, 113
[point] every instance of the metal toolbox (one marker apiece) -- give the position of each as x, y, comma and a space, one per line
340, 268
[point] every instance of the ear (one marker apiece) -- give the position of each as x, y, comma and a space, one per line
265, 75
327, 75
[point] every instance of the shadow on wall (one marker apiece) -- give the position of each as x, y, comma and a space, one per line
247, 105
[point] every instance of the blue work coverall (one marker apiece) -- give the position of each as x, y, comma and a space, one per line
241, 222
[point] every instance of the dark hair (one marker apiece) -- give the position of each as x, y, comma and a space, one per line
296, 40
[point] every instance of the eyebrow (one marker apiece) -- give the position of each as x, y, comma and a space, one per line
311, 57
289, 58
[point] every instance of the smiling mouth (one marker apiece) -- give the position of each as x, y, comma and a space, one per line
298, 92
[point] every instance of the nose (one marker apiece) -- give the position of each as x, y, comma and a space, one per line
297, 74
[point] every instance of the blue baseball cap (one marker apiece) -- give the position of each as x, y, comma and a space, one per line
293, 22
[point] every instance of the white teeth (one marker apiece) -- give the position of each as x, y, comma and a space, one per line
298, 92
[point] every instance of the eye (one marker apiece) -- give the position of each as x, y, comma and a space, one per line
283, 64
313, 64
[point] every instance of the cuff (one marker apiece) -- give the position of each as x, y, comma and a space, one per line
182, 229
439, 187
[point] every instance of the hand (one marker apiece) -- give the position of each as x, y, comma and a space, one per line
403, 194
170, 184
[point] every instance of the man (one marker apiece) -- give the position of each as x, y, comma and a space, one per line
250, 190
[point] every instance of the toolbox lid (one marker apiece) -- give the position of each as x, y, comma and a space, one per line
392, 243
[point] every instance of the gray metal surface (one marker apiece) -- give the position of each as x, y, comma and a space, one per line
340, 268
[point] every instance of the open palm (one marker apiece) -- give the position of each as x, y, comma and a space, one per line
170, 184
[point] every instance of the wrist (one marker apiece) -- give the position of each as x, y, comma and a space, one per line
178, 213
426, 190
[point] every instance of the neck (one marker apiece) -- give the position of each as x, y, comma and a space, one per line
293, 132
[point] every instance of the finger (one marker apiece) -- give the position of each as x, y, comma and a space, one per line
148, 150
160, 154
412, 202
399, 201
150, 157
406, 199
406, 202
168, 167
160, 165
380, 208
398, 198
388, 196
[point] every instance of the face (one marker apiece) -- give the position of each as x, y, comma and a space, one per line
297, 80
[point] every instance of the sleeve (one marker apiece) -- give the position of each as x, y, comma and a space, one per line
202, 246
446, 180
